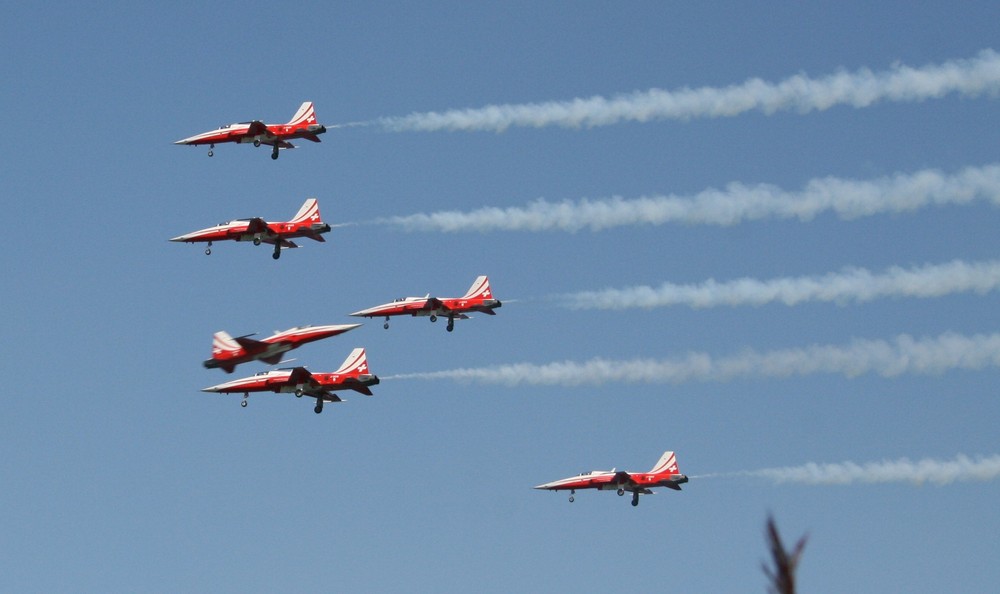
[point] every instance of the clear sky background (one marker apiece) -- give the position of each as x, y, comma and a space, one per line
118, 474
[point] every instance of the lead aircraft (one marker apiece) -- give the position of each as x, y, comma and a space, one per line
228, 352
664, 474
302, 125
306, 223
479, 298
352, 375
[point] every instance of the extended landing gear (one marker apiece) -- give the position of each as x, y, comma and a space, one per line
274, 152
256, 241
635, 498
243, 402
277, 251
434, 318
256, 142
571, 498
208, 249
298, 393
451, 324
319, 406
621, 492
386, 324
210, 151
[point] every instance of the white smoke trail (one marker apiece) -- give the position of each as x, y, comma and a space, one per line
851, 285
968, 77
735, 204
939, 472
903, 354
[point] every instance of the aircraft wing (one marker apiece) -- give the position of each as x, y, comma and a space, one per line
256, 127
301, 375
273, 359
256, 225
621, 477
279, 240
247, 343
281, 143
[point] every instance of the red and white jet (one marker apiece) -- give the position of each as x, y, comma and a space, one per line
228, 352
352, 375
306, 223
664, 474
478, 298
302, 125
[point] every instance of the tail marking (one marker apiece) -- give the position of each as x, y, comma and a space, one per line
480, 288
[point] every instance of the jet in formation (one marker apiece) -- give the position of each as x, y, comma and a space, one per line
478, 298
306, 223
302, 125
664, 474
228, 352
352, 375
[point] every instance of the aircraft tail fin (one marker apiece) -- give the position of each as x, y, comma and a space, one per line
666, 465
480, 288
222, 342
304, 116
309, 213
355, 364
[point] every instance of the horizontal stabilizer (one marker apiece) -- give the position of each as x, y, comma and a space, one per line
359, 387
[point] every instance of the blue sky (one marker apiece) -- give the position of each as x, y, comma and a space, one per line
120, 475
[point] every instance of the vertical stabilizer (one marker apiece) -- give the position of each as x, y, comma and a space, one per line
304, 116
222, 342
479, 288
355, 364
666, 465
309, 213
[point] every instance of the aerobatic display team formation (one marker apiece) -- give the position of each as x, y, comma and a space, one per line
353, 374
846, 198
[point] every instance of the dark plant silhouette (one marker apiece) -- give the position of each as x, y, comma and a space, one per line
781, 578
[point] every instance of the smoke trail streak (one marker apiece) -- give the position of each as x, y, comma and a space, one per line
968, 77
851, 285
938, 472
903, 354
737, 203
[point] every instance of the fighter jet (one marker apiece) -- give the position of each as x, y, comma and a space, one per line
228, 352
664, 474
306, 223
477, 298
352, 375
302, 125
